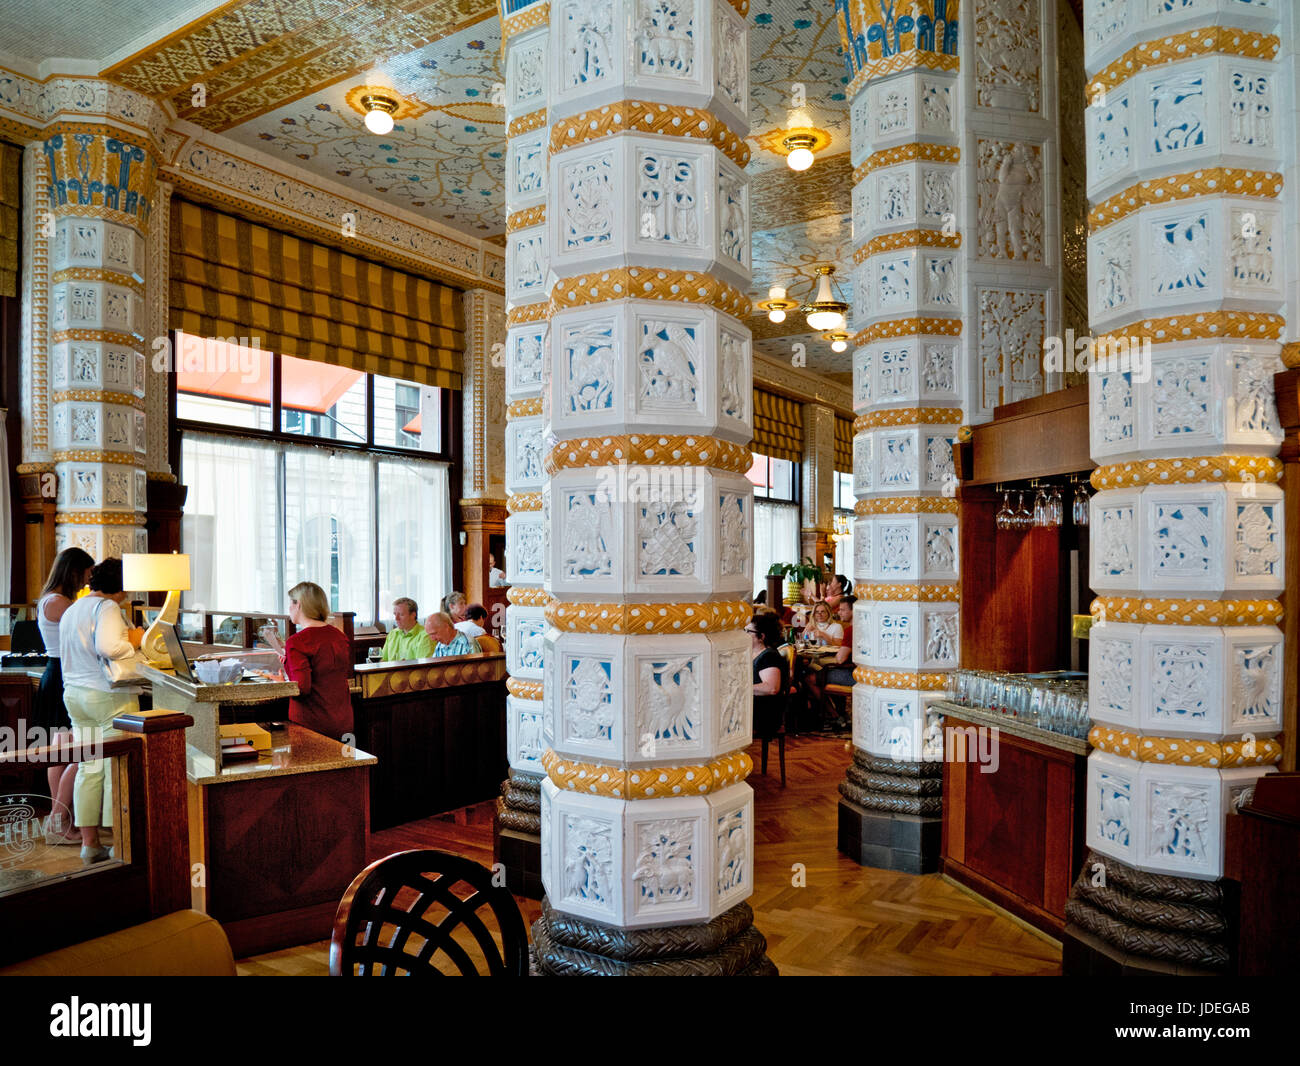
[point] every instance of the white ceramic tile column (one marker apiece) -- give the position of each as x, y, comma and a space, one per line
644, 532
1185, 260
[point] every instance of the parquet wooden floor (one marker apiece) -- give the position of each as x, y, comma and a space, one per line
845, 920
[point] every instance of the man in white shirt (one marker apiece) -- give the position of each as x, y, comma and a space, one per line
472, 625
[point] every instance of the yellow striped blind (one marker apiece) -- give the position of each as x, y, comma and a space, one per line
778, 426
234, 278
843, 444
11, 180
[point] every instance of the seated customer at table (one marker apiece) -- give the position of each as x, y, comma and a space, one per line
407, 639
771, 673
455, 605
447, 639
821, 630
475, 616
838, 671
319, 658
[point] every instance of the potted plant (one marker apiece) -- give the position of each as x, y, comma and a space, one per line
795, 575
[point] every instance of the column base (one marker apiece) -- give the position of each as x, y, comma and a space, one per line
891, 813
1141, 923
516, 834
728, 946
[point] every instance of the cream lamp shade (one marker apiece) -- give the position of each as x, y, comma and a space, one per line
158, 573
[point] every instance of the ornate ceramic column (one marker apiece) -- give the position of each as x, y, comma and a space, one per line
1185, 258
86, 318
525, 33
645, 529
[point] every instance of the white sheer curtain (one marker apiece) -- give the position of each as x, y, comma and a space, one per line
776, 537
844, 556
328, 535
414, 534
231, 524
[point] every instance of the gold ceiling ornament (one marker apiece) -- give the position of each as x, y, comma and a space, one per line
365, 100
909, 593
1185, 751
1193, 470
908, 416
1168, 612
781, 141
651, 782
647, 283
641, 116
1211, 181
1205, 40
649, 449
639, 619
889, 679
1198, 326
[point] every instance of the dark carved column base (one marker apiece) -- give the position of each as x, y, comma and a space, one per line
728, 946
516, 833
1139, 923
890, 814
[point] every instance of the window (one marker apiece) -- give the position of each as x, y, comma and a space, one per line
776, 514
351, 492
844, 503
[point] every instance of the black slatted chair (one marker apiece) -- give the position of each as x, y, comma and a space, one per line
401, 915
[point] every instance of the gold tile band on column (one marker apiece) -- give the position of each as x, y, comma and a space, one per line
92, 455
525, 313
122, 218
121, 399
909, 593
529, 216
1167, 612
908, 416
526, 596
1211, 468
655, 782
108, 336
111, 277
34, 468
534, 120
1212, 181
524, 408
529, 18
864, 675
906, 153
520, 502
1291, 355
644, 116
523, 689
1204, 40
906, 327
648, 283
99, 518
912, 238
641, 619
638, 449
1185, 751
1208, 325
907, 505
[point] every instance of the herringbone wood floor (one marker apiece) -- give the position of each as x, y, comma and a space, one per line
845, 920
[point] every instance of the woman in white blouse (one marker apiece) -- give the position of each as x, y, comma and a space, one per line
92, 631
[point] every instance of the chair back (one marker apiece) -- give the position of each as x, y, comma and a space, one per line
422, 913
489, 645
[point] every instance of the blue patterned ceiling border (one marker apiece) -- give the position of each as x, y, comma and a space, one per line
867, 23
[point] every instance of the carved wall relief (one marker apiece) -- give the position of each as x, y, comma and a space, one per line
1250, 115
668, 365
588, 203
1258, 544
665, 38
1181, 397
589, 358
665, 861
668, 197
1176, 113
588, 856
666, 539
1113, 808
1010, 176
589, 711
1111, 677
1180, 822
1011, 329
1115, 541
1008, 54
668, 708
586, 45
588, 537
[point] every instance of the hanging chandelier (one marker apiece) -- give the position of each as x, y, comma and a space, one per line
825, 313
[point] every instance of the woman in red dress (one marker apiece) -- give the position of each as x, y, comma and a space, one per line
318, 658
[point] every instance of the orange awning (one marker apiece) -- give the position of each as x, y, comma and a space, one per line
246, 376
313, 386
413, 426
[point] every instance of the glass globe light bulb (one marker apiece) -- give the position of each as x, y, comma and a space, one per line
379, 121
776, 316
799, 159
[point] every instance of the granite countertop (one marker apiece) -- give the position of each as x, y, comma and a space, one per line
1014, 726
241, 692
295, 749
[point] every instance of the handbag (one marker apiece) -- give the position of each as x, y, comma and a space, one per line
119, 673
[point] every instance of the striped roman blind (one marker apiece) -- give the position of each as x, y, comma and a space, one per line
11, 180
843, 444
234, 278
778, 426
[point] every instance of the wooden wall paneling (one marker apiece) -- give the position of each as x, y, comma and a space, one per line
1286, 390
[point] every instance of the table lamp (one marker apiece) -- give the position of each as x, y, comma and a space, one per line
158, 573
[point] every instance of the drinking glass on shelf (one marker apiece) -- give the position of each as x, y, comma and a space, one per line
1003, 518
1055, 508
1081, 504
1041, 511
1024, 516
374, 654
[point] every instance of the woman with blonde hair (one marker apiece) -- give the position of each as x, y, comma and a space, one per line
318, 658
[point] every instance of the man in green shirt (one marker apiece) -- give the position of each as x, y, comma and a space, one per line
448, 640
406, 640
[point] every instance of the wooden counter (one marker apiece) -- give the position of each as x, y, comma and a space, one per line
438, 729
1015, 835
